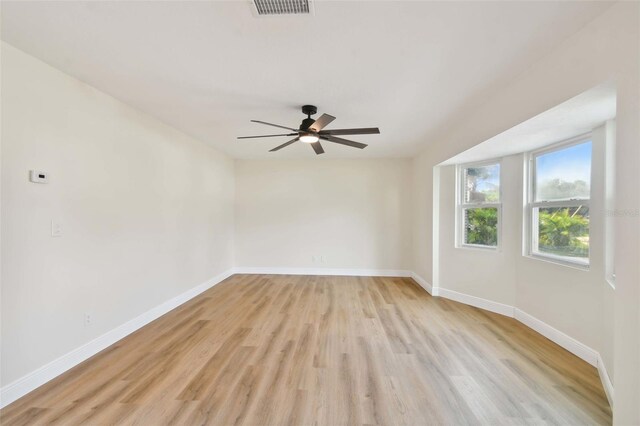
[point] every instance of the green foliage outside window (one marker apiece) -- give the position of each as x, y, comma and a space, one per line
564, 231
481, 226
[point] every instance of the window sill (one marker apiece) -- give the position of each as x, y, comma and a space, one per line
474, 247
560, 261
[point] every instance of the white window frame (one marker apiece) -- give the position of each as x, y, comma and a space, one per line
461, 205
531, 218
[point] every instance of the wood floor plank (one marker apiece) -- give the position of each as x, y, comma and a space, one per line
298, 350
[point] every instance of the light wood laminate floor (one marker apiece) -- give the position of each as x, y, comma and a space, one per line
294, 350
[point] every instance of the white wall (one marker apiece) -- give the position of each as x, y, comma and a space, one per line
146, 213
608, 291
353, 213
604, 50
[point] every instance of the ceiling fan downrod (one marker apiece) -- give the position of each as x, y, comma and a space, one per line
309, 110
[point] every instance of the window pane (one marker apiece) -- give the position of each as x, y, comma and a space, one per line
482, 184
563, 231
564, 174
481, 226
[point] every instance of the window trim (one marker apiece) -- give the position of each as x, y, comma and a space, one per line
461, 206
531, 205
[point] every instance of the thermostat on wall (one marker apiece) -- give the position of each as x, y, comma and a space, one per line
37, 176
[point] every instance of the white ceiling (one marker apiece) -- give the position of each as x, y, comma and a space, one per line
208, 67
576, 116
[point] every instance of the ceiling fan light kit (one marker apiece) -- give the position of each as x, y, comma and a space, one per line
311, 132
308, 137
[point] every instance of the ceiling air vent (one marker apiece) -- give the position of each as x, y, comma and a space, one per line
283, 7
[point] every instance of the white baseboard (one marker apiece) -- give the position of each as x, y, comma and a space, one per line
324, 271
42, 375
606, 380
478, 302
569, 343
423, 283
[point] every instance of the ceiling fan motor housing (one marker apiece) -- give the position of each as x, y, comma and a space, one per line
306, 123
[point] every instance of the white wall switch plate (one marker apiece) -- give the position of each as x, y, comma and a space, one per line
37, 176
56, 228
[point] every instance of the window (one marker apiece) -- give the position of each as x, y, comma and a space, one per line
560, 190
479, 205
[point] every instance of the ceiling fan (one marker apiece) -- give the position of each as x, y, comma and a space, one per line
311, 132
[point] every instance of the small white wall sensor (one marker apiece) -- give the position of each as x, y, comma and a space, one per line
56, 228
37, 176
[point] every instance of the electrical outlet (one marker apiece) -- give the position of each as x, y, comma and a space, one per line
322, 259
88, 319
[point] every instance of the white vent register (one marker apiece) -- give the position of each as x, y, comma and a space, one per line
283, 7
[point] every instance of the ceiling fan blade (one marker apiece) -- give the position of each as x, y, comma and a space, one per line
317, 148
362, 131
266, 136
274, 125
343, 141
283, 145
321, 122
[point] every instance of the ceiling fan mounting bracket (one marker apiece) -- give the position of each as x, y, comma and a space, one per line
309, 110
